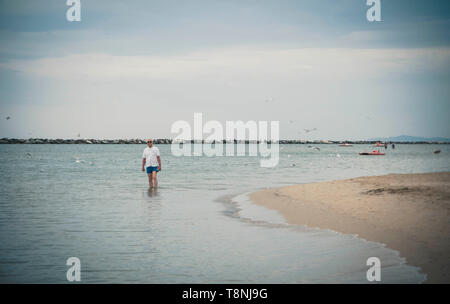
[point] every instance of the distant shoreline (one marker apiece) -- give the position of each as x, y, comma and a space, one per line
169, 141
407, 212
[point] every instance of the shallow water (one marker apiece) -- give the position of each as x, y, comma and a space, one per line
93, 202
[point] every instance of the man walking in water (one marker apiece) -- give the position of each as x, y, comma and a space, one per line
151, 161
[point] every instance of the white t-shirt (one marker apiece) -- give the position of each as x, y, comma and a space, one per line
150, 155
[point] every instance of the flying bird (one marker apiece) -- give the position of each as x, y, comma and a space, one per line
312, 147
310, 130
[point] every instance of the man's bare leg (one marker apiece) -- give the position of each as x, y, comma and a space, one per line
155, 179
150, 180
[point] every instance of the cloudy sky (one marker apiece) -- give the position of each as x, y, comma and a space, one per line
130, 69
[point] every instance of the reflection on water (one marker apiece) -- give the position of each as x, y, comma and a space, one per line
152, 192
101, 210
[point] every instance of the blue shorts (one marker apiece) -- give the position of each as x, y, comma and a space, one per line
151, 169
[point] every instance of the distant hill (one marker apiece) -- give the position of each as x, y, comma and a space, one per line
411, 139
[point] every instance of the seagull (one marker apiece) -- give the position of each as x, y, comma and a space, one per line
310, 130
269, 100
317, 148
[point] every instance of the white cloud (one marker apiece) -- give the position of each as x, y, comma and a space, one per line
249, 62
110, 96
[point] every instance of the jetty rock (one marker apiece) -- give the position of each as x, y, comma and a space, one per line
166, 141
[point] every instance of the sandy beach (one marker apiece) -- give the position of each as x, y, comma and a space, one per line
407, 212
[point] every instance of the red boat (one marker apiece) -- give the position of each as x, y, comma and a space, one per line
372, 153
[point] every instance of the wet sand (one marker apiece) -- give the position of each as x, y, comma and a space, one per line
407, 212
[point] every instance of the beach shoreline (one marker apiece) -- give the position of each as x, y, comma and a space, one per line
408, 212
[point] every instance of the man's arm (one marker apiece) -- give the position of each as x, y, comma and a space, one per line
143, 164
159, 162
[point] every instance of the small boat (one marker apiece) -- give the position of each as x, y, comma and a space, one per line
345, 145
378, 144
372, 153
437, 151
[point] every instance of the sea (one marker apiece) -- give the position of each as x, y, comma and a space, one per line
92, 202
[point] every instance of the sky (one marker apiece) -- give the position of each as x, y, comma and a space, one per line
130, 69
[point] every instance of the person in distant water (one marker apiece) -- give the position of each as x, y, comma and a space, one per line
385, 145
151, 162
393, 146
